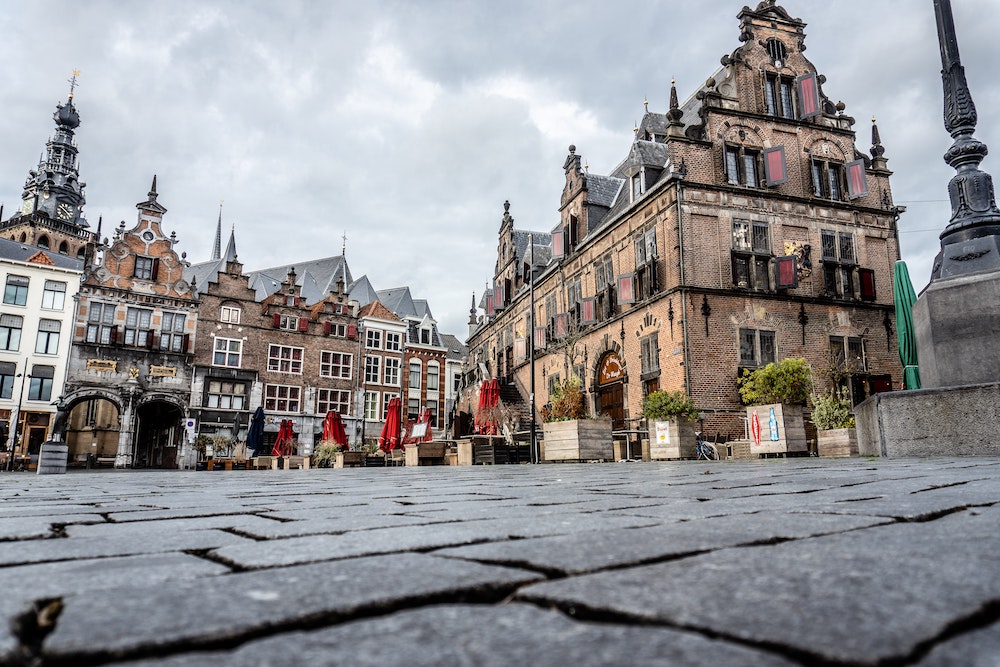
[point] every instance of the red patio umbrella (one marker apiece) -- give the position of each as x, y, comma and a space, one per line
425, 418
389, 439
488, 412
283, 443
333, 429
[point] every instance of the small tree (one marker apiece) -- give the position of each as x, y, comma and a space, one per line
566, 402
832, 410
787, 381
666, 405
326, 453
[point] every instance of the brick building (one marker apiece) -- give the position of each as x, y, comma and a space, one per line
742, 227
129, 377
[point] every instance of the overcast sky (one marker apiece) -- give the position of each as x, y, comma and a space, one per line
405, 125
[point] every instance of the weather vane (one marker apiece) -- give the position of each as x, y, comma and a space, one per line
72, 83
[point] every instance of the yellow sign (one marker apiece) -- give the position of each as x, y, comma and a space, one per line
102, 365
163, 371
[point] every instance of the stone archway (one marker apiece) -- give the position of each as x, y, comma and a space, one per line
159, 434
92, 428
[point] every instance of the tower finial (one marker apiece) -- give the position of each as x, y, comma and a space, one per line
72, 83
217, 247
152, 189
343, 244
675, 114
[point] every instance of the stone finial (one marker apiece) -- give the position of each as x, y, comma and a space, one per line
675, 114
877, 150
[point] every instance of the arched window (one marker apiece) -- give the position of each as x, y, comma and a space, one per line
24, 237
63, 248
433, 376
43, 242
415, 374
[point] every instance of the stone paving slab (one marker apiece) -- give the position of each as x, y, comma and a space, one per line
514, 634
801, 561
915, 580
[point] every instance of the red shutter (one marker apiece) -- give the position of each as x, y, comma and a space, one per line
557, 244
539, 337
857, 183
774, 166
114, 334
150, 340
156, 268
787, 277
626, 288
867, 279
187, 342
498, 296
276, 321
520, 348
588, 310
303, 324
352, 331
562, 324
490, 306
326, 328
506, 289
808, 95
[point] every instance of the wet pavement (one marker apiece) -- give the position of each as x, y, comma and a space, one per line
780, 562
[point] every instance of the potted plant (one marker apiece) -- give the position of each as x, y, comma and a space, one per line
200, 445
671, 430
569, 432
835, 431
325, 455
776, 394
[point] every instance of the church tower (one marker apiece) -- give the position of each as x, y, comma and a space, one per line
51, 212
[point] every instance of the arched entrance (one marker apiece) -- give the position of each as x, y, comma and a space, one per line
159, 434
92, 429
611, 389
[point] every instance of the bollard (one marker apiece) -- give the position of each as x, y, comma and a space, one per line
52, 458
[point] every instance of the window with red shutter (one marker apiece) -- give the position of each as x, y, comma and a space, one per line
774, 166
114, 334
557, 244
808, 86
326, 328
156, 268
303, 324
787, 277
276, 320
539, 337
562, 324
187, 342
857, 183
490, 306
626, 288
867, 279
352, 331
588, 310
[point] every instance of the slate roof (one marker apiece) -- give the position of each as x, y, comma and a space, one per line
19, 252
318, 276
457, 351
361, 290
398, 300
602, 190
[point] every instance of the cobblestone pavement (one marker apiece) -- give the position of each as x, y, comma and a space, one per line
797, 562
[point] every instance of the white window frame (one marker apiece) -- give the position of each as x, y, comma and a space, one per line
330, 367
226, 349
285, 359
283, 398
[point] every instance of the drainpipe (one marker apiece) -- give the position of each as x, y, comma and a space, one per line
683, 281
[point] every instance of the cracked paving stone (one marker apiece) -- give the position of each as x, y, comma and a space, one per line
979, 648
587, 552
483, 636
138, 529
25, 552
312, 548
864, 596
245, 604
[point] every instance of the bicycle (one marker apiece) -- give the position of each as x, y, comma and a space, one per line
704, 449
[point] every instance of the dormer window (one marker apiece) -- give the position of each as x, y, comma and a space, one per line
638, 184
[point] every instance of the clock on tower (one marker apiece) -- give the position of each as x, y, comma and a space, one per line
65, 212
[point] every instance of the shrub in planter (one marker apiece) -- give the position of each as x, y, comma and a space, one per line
566, 402
325, 454
787, 381
666, 405
831, 410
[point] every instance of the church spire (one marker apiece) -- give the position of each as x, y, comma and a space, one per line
217, 247
231, 245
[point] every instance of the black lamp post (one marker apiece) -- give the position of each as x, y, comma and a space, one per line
14, 422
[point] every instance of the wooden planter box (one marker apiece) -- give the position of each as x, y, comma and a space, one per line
789, 434
578, 440
349, 459
425, 453
672, 439
837, 442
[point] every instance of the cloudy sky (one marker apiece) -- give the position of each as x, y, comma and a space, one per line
405, 125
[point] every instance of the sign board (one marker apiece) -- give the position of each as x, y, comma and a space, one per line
611, 369
163, 371
419, 430
101, 365
662, 432
189, 424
